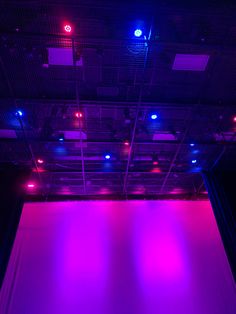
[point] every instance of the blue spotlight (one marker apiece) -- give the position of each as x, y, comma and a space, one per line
194, 161
61, 138
19, 113
138, 32
107, 156
154, 116
191, 144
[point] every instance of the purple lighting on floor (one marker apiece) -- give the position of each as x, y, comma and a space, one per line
104, 257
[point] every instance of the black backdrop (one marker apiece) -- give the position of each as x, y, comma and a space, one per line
221, 186
12, 188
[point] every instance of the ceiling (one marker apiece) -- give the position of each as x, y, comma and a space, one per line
116, 82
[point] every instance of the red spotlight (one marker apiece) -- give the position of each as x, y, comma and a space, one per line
30, 185
40, 161
68, 28
78, 114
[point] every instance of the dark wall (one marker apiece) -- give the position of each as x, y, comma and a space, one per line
222, 192
12, 183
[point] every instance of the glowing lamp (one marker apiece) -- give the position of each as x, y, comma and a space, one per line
78, 115
19, 113
61, 137
154, 116
30, 185
68, 28
138, 32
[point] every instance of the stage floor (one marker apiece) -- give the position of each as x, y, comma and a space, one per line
118, 257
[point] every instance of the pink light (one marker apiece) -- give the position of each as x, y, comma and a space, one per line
234, 119
78, 115
155, 163
126, 143
40, 161
156, 169
30, 185
67, 28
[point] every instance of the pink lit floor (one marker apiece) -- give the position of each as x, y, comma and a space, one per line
118, 257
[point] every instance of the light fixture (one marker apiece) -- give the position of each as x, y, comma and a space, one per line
61, 137
154, 116
126, 143
191, 144
19, 113
78, 114
107, 156
67, 28
138, 32
194, 161
30, 185
234, 119
155, 161
40, 161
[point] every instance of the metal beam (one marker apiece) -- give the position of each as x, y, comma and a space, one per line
137, 112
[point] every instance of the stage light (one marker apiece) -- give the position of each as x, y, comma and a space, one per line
126, 143
155, 161
194, 161
68, 28
40, 161
138, 32
191, 144
61, 137
19, 113
234, 119
107, 156
30, 185
154, 116
78, 114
